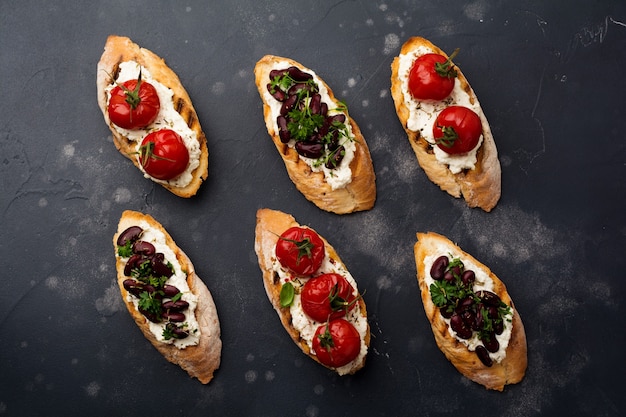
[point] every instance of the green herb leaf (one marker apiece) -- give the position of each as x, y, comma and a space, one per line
125, 251
287, 293
150, 304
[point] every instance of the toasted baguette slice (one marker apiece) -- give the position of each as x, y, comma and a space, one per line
270, 224
512, 367
201, 360
359, 194
120, 49
481, 186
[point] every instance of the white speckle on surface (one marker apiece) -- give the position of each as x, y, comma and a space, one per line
3, 407
74, 361
52, 282
318, 389
218, 88
111, 302
476, 10
251, 376
43, 202
383, 93
68, 150
271, 17
269, 376
383, 283
249, 357
122, 195
188, 9
369, 22
383, 7
392, 42
312, 411
24, 344
365, 103
351, 82
92, 389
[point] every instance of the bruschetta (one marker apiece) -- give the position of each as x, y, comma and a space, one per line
325, 154
471, 314
445, 124
316, 298
167, 300
151, 117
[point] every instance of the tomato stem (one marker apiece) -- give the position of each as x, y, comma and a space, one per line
446, 69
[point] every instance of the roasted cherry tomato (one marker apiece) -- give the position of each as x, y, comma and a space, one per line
336, 343
300, 250
163, 154
432, 77
457, 130
327, 296
134, 104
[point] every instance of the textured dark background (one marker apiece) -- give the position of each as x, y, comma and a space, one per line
550, 77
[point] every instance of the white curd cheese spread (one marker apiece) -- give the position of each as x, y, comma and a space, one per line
340, 176
422, 114
168, 118
482, 282
179, 280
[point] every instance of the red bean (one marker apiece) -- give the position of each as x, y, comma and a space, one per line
489, 298
310, 149
335, 158
288, 105
283, 130
457, 325
483, 355
298, 75
129, 235
468, 277
174, 316
276, 92
159, 268
133, 262
170, 291
143, 248
491, 343
179, 305
438, 269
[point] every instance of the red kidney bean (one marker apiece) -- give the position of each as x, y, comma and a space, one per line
338, 118
283, 130
323, 109
159, 268
316, 104
277, 73
438, 269
498, 327
468, 277
489, 298
299, 75
179, 305
465, 304
177, 332
288, 105
446, 312
150, 316
174, 316
129, 235
133, 287
170, 291
298, 87
276, 92
336, 157
459, 327
480, 320
310, 149
448, 276
143, 248
491, 343
133, 262
483, 355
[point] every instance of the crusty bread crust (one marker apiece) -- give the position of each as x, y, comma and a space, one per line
512, 368
270, 224
202, 360
481, 186
119, 49
358, 195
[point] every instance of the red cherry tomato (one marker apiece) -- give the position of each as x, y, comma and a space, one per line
131, 107
432, 77
300, 250
336, 343
163, 154
457, 129
327, 296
